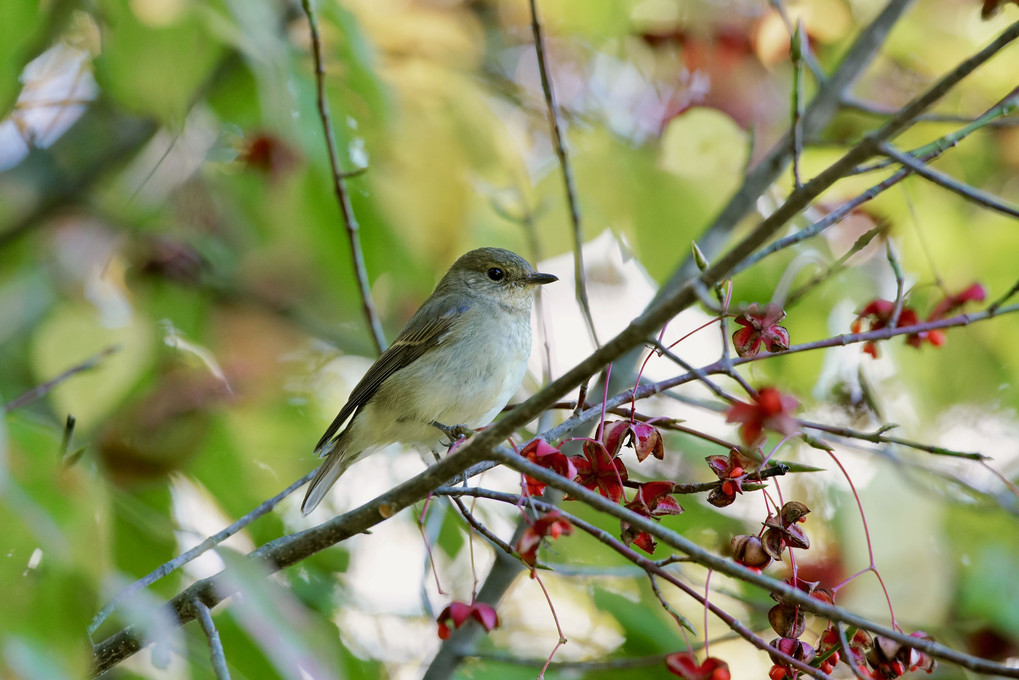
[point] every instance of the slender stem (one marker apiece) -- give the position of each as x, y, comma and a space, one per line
798, 44
996, 305
40, 391
182, 559
555, 618
816, 117
926, 153
340, 185
872, 566
481, 528
219, 666
428, 547
972, 194
558, 143
653, 568
880, 438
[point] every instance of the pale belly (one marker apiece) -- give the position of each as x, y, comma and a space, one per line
451, 389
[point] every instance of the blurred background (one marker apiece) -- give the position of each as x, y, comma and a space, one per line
168, 225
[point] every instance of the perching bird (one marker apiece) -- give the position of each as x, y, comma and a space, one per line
457, 362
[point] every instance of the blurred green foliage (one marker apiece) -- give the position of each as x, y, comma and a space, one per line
188, 219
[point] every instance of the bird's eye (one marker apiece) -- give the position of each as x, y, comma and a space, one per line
496, 274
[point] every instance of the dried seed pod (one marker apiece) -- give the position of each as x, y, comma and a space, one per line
773, 543
793, 512
787, 620
719, 498
748, 551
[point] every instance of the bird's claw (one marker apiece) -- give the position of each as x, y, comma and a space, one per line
455, 433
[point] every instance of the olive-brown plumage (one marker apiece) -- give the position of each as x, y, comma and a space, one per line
457, 362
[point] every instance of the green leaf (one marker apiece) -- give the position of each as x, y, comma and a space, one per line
271, 615
21, 23
451, 534
643, 624
71, 334
154, 62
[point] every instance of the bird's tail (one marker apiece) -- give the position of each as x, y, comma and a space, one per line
335, 464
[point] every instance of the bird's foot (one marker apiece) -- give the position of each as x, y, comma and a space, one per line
455, 433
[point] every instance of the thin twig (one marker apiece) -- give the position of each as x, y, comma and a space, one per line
926, 153
680, 620
996, 305
579, 275
900, 282
835, 267
875, 109
829, 220
880, 438
340, 185
184, 558
1004, 107
806, 55
481, 528
40, 391
653, 568
970, 193
686, 366
219, 666
816, 117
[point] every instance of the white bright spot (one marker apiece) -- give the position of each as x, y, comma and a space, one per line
58, 85
197, 516
33, 561
357, 153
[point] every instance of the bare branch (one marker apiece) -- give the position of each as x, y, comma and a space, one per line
40, 391
203, 547
972, 194
815, 118
219, 666
340, 185
579, 275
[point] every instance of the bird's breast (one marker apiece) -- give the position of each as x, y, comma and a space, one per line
470, 376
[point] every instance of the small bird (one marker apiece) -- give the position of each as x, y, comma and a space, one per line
457, 362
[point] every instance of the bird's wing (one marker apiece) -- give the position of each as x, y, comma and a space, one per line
415, 339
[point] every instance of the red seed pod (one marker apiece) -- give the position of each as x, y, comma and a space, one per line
797, 649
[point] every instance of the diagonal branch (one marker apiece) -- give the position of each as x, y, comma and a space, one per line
39, 391
208, 544
815, 118
970, 193
750, 576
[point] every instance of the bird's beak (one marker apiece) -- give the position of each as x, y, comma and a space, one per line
540, 279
